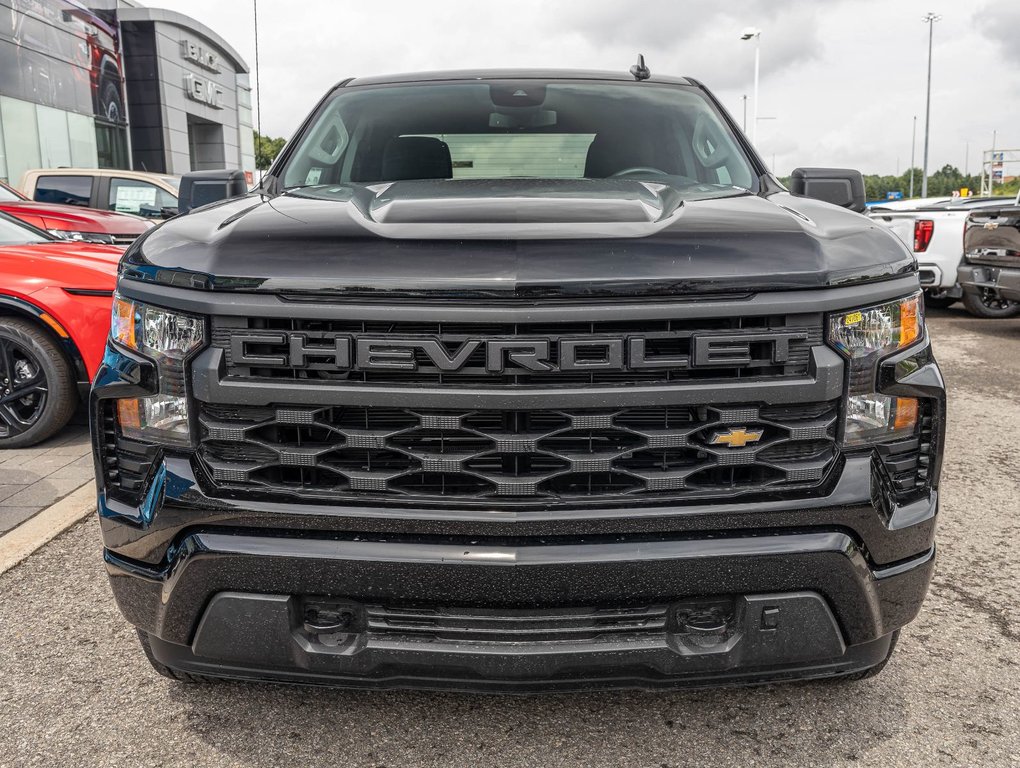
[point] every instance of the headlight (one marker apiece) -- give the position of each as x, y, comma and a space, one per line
169, 339
83, 237
865, 336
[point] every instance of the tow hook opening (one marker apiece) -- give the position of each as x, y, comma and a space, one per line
705, 626
331, 622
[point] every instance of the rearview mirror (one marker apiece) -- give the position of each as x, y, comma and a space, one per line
840, 186
200, 188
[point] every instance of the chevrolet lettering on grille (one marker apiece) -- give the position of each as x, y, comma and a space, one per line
345, 352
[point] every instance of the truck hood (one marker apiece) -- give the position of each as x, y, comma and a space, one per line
516, 239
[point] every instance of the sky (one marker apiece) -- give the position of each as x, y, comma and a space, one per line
841, 80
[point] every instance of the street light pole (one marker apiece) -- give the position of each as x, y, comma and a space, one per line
991, 168
929, 19
754, 112
744, 97
913, 145
748, 34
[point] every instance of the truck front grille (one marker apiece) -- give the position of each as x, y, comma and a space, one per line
533, 455
746, 348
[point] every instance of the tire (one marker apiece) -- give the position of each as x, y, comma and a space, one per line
31, 362
110, 105
984, 303
938, 302
872, 671
167, 672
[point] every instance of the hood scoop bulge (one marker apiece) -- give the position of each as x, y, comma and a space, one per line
525, 209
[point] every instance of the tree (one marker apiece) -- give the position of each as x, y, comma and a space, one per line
266, 150
1009, 189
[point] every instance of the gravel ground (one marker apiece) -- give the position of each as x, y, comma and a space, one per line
75, 689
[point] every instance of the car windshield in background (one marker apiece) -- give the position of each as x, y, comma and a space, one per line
13, 233
7, 196
527, 129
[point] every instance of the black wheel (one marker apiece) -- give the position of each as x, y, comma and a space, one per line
872, 671
164, 670
935, 301
37, 388
984, 302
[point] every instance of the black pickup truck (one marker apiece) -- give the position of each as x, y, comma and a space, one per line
519, 381
991, 254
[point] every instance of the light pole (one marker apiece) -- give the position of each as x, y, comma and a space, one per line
913, 144
929, 19
755, 34
991, 168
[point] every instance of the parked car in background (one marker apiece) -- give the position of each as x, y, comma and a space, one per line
935, 235
910, 204
991, 265
151, 195
69, 222
55, 299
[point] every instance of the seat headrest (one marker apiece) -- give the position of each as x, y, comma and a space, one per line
610, 153
416, 157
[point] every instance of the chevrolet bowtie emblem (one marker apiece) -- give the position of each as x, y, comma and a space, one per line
737, 438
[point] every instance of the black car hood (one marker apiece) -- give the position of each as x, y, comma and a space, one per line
515, 239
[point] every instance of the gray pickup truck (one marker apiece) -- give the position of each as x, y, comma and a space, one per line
991, 254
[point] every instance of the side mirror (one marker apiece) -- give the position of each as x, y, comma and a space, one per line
200, 188
840, 186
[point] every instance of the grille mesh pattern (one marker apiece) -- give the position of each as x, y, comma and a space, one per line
563, 625
517, 455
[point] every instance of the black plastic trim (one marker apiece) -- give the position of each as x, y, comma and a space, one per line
236, 304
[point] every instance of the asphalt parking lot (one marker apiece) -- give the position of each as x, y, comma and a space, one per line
76, 690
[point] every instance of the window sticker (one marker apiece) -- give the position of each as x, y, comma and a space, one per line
131, 199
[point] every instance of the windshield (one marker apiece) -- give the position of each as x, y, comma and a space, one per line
12, 232
527, 129
7, 196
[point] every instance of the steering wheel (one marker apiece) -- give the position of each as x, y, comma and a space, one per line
638, 169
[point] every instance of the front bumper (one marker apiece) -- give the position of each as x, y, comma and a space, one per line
1003, 281
655, 613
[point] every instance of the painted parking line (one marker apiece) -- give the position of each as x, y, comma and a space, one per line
22, 541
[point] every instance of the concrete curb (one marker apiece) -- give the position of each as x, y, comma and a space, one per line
18, 544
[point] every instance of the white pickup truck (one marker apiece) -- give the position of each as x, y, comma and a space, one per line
934, 233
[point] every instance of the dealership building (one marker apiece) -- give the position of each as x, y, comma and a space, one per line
114, 84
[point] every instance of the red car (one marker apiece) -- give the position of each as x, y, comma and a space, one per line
71, 222
55, 300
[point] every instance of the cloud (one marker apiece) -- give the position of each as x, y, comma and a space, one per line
842, 78
1000, 23
692, 36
